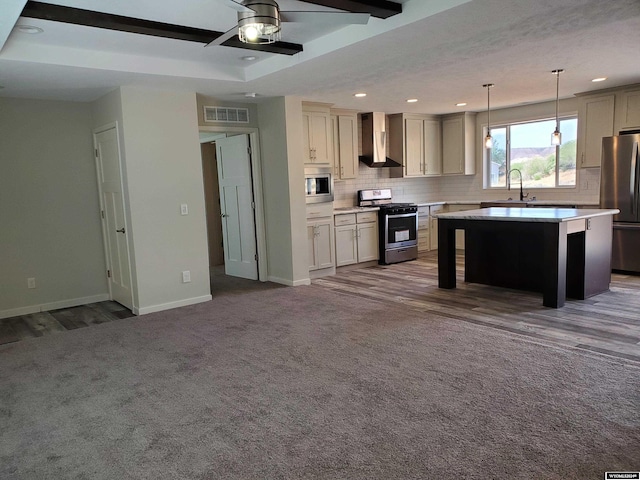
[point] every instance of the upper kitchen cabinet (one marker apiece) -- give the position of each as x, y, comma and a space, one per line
595, 120
316, 132
344, 127
416, 140
628, 109
458, 144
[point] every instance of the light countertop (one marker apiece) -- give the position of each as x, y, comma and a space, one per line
529, 202
528, 214
342, 210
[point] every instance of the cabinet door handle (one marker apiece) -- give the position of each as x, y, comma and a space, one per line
120, 231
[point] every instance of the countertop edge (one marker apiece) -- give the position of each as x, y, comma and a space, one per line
527, 214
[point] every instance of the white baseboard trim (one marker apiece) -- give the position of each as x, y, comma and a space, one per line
168, 306
45, 307
290, 283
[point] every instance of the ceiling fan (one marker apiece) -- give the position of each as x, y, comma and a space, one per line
259, 21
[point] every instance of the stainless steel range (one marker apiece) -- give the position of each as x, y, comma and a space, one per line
397, 226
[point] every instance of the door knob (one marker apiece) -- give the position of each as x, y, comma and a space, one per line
121, 230
224, 215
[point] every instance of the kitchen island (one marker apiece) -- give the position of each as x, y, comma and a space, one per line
561, 252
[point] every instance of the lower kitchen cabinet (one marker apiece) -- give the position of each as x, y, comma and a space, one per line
356, 237
320, 251
433, 224
424, 243
320, 239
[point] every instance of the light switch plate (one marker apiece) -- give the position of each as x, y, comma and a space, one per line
184, 209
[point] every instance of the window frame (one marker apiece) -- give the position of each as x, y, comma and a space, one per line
486, 163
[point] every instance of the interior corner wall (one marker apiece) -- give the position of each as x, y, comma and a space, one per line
164, 170
49, 207
282, 177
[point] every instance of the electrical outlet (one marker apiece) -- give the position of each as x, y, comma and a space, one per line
186, 276
184, 209
31, 282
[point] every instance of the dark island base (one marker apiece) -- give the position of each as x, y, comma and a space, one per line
535, 256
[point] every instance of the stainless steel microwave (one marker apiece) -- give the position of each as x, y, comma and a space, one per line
318, 184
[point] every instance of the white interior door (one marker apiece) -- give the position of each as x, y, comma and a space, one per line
237, 207
113, 218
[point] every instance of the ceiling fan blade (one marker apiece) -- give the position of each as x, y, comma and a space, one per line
335, 18
238, 6
224, 37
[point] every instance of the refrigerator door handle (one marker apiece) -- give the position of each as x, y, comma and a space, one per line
632, 182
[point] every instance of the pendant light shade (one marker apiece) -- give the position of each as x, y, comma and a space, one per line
488, 140
556, 136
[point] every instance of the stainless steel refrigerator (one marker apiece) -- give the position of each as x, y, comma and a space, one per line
620, 176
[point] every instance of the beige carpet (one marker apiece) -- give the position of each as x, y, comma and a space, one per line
303, 383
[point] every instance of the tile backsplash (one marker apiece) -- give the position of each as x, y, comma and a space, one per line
455, 188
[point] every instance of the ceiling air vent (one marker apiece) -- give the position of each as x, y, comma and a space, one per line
226, 115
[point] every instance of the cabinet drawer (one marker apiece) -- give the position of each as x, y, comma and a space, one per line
437, 208
423, 210
423, 240
365, 217
345, 219
320, 210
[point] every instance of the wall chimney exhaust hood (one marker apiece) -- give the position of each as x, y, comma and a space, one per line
374, 141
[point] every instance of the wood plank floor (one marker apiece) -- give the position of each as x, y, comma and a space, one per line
39, 324
608, 323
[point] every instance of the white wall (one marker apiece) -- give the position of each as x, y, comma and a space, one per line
49, 208
470, 187
282, 181
164, 170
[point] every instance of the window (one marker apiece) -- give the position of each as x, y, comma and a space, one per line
527, 148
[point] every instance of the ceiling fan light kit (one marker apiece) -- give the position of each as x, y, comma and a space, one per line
261, 23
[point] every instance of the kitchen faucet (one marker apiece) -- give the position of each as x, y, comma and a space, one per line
522, 195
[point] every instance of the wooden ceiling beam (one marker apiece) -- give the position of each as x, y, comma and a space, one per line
89, 18
376, 8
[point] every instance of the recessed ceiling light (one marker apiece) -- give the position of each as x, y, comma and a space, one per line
461, 104
599, 79
412, 100
249, 58
29, 29
250, 94
360, 95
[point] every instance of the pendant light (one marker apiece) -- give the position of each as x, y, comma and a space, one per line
556, 136
488, 140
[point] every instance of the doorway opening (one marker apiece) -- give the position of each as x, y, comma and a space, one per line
234, 208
